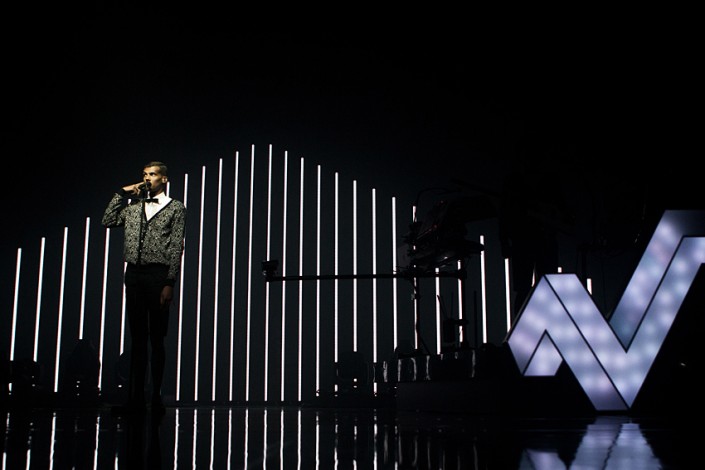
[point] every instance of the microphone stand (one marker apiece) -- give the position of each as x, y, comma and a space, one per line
145, 191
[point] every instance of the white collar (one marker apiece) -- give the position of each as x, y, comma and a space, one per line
162, 198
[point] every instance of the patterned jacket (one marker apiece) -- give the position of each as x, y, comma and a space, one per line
158, 240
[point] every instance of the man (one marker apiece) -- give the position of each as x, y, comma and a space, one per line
154, 227
533, 215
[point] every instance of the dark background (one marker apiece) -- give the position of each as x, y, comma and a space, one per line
93, 92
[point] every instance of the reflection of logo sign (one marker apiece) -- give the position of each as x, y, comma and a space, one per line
612, 442
560, 322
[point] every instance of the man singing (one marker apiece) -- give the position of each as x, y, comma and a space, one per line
154, 227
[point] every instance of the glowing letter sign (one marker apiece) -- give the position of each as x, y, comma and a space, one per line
560, 322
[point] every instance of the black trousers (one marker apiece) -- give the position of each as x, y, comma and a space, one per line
148, 322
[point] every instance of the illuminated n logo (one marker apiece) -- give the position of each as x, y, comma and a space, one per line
560, 322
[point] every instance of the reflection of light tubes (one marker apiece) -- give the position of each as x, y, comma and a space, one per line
106, 250
483, 290
176, 440
194, 440
246, 453
230, 436
281, 435
415, 282
232, 281
14, 306
394, 270
354, 260
97, 443
53, 442
301, 265
283, 327
374, 283
61, 311
507, 293
318, 441
82, 310
40, 284
318, 281
217, 277
200, 271
181, 305
266, 284
298, 438
212, 441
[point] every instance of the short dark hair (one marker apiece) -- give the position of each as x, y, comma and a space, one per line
162, 167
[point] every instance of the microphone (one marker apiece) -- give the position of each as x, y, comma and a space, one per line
146, 184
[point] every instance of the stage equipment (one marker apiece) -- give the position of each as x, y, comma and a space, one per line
436, 247
81, 373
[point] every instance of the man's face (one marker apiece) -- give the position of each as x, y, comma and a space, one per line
156, 180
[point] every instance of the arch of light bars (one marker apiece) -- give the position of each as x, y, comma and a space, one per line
269, 328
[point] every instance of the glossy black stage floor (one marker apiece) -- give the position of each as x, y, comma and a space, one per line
347, 436
465, 410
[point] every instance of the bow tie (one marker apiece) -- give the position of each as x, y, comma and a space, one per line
154, 200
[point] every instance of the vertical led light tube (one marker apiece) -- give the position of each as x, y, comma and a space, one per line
318, 281
483, 290
103, 298
15, 303
461, 312
374, 282
439, 319
38, 311
216, 294
301, 272
283, 326
83, 279
122, 314
62, 283
199, 284
395, 307
336, 307
508, 293
181, 305
354, 261
266, 284
249, 275
232, 281
415, 282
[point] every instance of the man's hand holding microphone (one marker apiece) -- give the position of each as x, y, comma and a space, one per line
137, 188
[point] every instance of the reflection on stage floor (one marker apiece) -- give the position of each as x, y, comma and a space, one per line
303, 437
